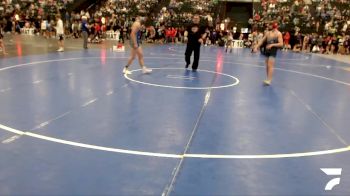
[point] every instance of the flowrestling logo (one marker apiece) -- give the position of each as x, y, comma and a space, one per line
335, 181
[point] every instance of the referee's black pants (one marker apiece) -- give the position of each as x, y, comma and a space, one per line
189, 49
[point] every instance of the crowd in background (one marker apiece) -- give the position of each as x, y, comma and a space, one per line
307, 25
17, 14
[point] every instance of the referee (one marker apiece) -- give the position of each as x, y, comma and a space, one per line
194, 35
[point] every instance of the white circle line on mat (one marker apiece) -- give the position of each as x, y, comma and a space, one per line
176, 156
184, 87
166, 155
